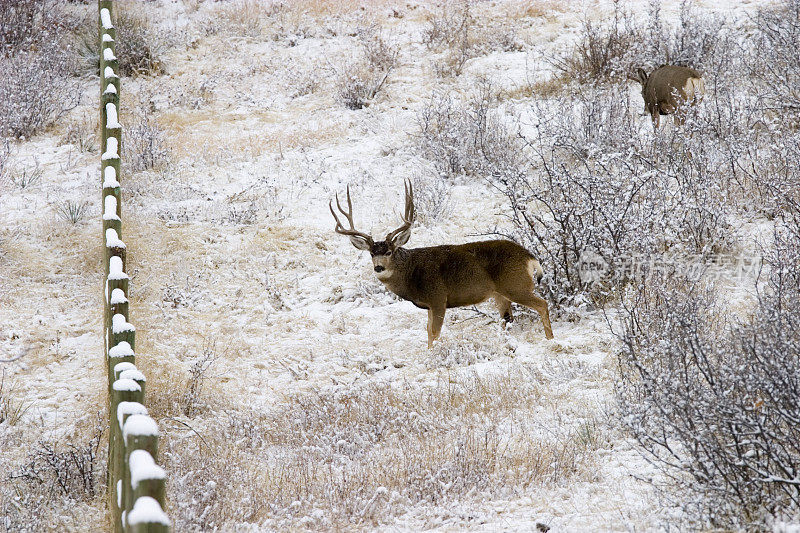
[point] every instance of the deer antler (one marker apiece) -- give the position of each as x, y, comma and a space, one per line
408, 216
352, 232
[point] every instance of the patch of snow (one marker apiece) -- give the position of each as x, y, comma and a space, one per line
110, 178
112, 121
126, 385
118, 297
112, 149
105, 19
139, 425
143, 467
120, 325
110, 211
132, 373
130, 409
146, 510
123, 349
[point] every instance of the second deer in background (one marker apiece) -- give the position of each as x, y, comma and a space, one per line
440, 277
668, 89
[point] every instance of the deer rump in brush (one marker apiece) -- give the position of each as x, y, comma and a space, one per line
668, 90
453, 275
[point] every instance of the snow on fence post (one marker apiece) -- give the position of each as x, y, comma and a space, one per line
122, 390
148, 517
136, 483
141, 475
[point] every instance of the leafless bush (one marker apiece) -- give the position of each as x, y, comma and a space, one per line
75, 471
71, 211
592, 193
27, 176
776, 56
197, 376
5, 156
461, 36
247, 18
144, 144
140, 44
82, 134
242, 215
466, 137
379, 53
713, 402
449, 26
431, 197
35, 90
604, 52
358, 83
611, 51
12, 409
27, 24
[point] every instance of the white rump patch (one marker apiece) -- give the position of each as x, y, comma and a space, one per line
535, 270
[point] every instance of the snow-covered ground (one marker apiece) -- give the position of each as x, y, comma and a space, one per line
292, 389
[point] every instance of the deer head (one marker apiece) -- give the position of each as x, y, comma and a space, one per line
382, 251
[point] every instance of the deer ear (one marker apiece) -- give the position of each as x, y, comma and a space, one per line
642, 75
360, 242
401, 238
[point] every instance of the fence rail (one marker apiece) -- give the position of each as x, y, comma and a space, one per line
136, 483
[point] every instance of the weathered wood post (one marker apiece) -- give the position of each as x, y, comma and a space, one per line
122, 390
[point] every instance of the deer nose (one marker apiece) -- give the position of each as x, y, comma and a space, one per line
379, 268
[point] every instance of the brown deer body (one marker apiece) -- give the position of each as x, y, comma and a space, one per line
668, 88
440, 277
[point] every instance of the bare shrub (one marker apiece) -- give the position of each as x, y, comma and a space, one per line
245, 18
713, 402
593, 196
358, 83
462, 36
27, 176
604, 52
27, 24
140, 44
71, 211
144, 144
82, 134
35, 90
449, 26
776, 55
432, 197
59, 486
379, 53
75, 471
611, 51
197, 375
12, 409
465, 137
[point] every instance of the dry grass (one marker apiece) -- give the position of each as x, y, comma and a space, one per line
356, 457
537, 89
221, 137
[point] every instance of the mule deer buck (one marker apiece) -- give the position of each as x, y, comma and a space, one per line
668, 89
454, 275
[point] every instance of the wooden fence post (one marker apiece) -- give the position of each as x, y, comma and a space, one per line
122, 390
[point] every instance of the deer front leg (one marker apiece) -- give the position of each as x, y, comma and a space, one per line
435, 320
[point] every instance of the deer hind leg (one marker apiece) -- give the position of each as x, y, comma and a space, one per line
435, 321
504, 306
536, 303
